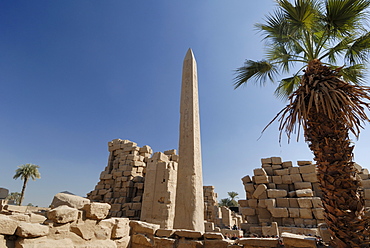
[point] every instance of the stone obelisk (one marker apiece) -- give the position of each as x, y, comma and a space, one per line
189, 208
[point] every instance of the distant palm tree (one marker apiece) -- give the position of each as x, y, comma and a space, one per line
14, 196
324, 98
225, 202
25, 172
233, 195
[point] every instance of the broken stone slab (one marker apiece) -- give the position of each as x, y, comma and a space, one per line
164, 232
188, 234
96, 210
7, 225
218, 243
85, 230
259, 242
304, 193
44, 242
294, 241
72, 201
213, 235
259, 172
121, 228
4, 193
184, 243
63, 214
143, 227
31, 230
164, 242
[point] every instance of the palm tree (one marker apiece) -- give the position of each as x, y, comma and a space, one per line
225, 202
25, 172
14, 196
232, 196
327, 101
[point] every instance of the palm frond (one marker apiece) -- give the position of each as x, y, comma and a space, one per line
354, 74
259, 70
287, 86
358, 51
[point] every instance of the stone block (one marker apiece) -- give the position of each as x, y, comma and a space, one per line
296, 178
31, 230
304, 193
270, 203
287, 164
253, 203
277, 179
302, 185
7, 225
259, 172
263, 214
266, 161
246, 179
293, 170
282, 202
184, 243
304, 202
305, 213
271, 186
276, 167
306, 169
96, 211
296, 241
44, 242
316, 202
272, 230
72, 201
293, 203
286, 179
283, 186
276, 160
243, 203
262, 203
259, 190
288, 221
213, 235
249, 187
260, 179
367, 194
4, 193
302, 163
318, 213
269, 171
188, 234
294, 212
292, 194
310, 177
279, 212
247, 211
258, 242
164, 232
276, 193
141, 241
63, 214
252, 219
282, 172
143, 227
365, 184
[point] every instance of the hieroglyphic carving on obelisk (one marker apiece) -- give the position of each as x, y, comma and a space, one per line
189, 209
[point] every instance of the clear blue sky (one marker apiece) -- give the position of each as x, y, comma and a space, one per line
77, 74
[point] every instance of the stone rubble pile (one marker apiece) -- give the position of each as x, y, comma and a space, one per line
75, 222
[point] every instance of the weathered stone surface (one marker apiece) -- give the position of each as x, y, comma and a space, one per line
272, 230
163, 242
294, 241
164, 232
3, 193
302, 185
305, 169
304, 192
279, 212
20, 217
259, 242
189, 208
213, 235
31, 230
259, 190
121, 228
188, 234
260, 179
141, 239
85, 230
63, 214
304, 202
184, 243
259, 172
96, 211
217, 243
72, 201
276, 193
247, 211
143, 227
37, 218
310, 177
7, 225
97, 244
44, 242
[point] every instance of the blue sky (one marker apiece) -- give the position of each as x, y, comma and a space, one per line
77, 74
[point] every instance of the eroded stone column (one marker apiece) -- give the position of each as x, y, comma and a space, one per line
189, 209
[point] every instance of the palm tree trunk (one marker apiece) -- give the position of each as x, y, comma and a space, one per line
23, 190
343, 204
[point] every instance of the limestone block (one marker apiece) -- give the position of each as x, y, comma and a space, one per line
292, 194
217, 243
286, 179
288, 221
253, 203
188, 234
252, 219
263, 213
301, 163
276, 193
247, 211
97, 211
243, 203
270, 203
121, 228
37, 218
63, 214
262, 203
258, 242
266, 161
279, 212
249, 187
44, 242
31, 230
163, 242
298, 222
310, 177
293, 170
259, 172
282, 172
282, 202
272, 230
365, 184
259, 190
271, 186
142, 240
260, 179
302, 185
20, 217
143, 227
293, 203
305, 213
72, 201
146, 149
213, 235
316, 202
164, 232
158, 156
306, 169
246, 179
304, 192
318, 213
116, 207
209, 226
294, 212
3, 193
305, 202
367, 194
184, 243
276, 160
269, 171
276, 167
85, 230
293, 240
283, 186
7, 225
277, 179
296, 178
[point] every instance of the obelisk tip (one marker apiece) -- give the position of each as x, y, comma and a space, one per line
189, 54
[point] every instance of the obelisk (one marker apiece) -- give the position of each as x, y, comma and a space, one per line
189, 208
